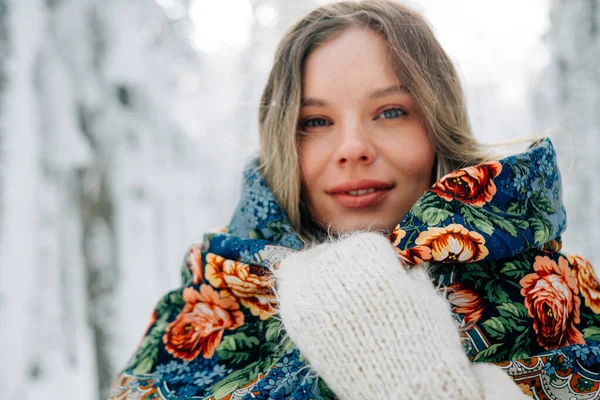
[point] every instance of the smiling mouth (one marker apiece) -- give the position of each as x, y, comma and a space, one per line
361, 198
361, 192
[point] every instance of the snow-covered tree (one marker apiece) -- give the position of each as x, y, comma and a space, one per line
122, 141
567, 101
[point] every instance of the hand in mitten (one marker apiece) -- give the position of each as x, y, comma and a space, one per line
370, 328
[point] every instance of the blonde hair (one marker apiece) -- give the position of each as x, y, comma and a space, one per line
418, 60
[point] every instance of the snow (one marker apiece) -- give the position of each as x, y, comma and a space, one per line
123, 140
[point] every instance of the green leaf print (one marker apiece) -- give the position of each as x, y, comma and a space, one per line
514, 270
278, 229
170, 303
495, 292
273, 330
167, 308
237, 348
146, 364
506, 225
431, 199
495, 328
235, 380
513, 310
476, 274
522, 224
475, 218
186, 274
592, 333
467, 215
487, 354
542, 203
519, 350
417, 210
433, 216
244, 375
484, 226
541, 233
147, 354
495, 209
516, 208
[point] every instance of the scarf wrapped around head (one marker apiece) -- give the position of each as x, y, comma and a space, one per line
493, 233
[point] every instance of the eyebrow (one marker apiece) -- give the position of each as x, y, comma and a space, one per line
375, 94
395, 89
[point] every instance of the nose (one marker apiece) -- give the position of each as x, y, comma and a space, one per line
355, 147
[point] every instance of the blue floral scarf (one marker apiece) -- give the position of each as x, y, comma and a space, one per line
492, 231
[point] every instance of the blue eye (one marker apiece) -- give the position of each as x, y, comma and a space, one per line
391, 113
315, 123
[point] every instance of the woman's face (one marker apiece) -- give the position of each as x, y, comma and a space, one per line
365, 155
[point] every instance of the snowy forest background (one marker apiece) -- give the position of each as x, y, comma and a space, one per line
125, 124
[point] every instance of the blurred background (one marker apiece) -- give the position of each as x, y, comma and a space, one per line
125, 124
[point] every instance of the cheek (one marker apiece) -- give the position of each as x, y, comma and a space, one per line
414, 156
309, 174
304, 161
311, 164
421, 164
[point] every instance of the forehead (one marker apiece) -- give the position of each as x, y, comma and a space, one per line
355, 60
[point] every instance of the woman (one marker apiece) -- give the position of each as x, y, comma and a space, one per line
363, 128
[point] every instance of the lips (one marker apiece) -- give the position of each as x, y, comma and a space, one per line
360, 193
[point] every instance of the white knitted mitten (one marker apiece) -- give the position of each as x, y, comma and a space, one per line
370, 328
496, 383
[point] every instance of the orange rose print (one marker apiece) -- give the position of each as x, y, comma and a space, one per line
472, 185
551, 298
194, 262
250, 284
396, 236
453, 243
465, 301
414, 255
588, 284
200, 325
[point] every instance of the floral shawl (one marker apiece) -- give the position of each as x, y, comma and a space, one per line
493, 233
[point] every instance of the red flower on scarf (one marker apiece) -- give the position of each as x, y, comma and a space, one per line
552, 301
396, 236
588, 284
472, 185
467, 302
250, 284
194, 263
414, 255
200, 325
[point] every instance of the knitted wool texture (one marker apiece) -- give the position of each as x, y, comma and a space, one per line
372, 329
